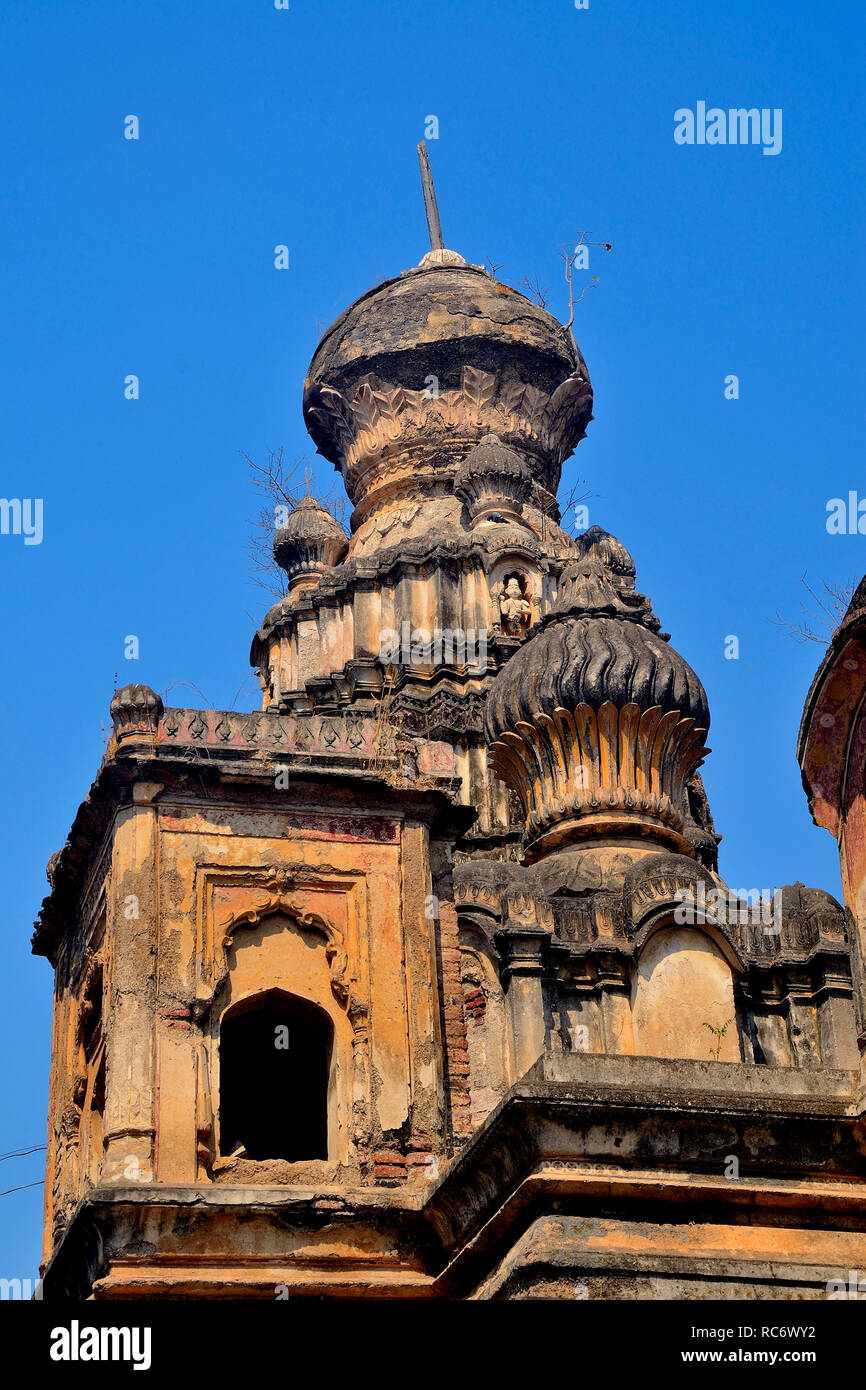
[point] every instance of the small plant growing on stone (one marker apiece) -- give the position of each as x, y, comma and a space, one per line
719, 1035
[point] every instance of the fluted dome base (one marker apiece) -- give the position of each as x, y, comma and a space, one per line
607, 772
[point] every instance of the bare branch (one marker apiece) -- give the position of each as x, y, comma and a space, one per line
188, 685
281, 487
573, 500
534, 290
817, 624
569, 257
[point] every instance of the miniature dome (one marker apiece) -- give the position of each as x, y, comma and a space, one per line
596, 722
418, 371
135, 709
310, 543
599, 643
493, 480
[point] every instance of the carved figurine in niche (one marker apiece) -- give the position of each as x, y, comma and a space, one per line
515, 611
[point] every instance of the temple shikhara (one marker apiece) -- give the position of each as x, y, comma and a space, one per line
421, 981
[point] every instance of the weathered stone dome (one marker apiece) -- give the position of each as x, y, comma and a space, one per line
438, 314
591, 660
493, 480
597, 722
310, 543
426, 365
599, 643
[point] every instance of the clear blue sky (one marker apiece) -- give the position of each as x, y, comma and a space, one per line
260, 127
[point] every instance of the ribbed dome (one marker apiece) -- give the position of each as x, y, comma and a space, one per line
591, 660
596, 722
310, 542
599, 643
493, 480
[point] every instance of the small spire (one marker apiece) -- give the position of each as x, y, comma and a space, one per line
307, 476
434, 227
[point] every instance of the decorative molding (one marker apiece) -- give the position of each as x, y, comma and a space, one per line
377, 422
580, 769
287, 892
324, 736
280, 897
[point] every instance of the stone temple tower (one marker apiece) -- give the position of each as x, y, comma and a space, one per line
422, 981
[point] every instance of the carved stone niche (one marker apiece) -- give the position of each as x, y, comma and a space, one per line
686, 963
516, 612
273, 931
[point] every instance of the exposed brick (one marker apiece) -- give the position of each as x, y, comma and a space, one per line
423, 1142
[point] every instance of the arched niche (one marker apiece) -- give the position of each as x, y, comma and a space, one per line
291, 964
683, 998
514, 584
275, 1052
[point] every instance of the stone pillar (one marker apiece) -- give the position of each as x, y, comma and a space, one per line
367, 620
419, 917
615, 1002
802, 1020
522, 952
129, 1093
837, 1026
177, 1096
852, 856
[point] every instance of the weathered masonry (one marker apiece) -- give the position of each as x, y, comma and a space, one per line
414, 983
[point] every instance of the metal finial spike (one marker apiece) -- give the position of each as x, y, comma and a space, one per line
434, 226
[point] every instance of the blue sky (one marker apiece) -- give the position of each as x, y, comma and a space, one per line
156, 257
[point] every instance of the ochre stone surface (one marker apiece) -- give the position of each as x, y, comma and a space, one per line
551, 1053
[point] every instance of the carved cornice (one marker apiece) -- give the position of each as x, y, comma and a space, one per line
336, 735
440, 711
419, 556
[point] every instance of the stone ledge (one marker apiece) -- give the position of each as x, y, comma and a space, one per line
691, 1084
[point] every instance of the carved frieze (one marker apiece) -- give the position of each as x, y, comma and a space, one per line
372, 426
